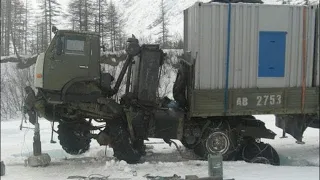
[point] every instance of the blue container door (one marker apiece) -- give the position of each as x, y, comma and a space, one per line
272, 53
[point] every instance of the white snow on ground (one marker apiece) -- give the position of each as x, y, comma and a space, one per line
298, 162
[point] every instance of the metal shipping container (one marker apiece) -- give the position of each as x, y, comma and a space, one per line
266, 44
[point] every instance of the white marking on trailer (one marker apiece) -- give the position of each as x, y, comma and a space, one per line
242, 101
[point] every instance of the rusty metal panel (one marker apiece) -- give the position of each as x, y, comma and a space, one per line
207, 40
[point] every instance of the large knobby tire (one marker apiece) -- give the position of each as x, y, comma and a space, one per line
216, 140
74, 140
259, 152
122, 147
186, 145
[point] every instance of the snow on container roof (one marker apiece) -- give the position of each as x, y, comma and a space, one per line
266, 44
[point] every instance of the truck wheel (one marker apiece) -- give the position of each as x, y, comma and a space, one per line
139, 146
122, 148
214, 141
73, 139
259, 152
186, 145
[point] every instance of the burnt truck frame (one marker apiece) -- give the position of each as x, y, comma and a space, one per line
80, 93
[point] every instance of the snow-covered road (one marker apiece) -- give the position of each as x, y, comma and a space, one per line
298, 162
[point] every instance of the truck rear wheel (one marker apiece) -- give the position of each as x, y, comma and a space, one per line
74, 140
217, 139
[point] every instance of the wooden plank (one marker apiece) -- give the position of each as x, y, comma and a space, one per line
254, 101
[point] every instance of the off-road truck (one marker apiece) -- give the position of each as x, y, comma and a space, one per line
71, 89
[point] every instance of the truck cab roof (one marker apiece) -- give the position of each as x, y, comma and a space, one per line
78, 32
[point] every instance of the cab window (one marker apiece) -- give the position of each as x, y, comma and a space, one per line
75, 45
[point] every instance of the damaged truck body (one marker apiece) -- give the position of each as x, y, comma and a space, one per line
238, 62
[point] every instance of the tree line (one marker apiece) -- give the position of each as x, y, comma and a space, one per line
30, 33
26, 32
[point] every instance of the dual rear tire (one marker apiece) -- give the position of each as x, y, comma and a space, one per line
259, 152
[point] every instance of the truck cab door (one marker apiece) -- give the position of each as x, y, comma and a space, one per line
67, 59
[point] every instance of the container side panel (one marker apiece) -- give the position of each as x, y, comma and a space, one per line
294, 36
290, 57
223, 14
288, 51
206, 48
310, 45
234, 46
273, 18
215, 41
244, 48
254, 46
198, 40
207, 41
298, 58
317, 54
194, 40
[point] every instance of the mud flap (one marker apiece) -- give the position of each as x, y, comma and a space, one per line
296, 124
255, 128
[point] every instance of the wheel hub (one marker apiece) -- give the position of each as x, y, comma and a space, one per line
218, 142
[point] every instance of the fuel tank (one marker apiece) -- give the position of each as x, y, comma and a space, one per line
168, 123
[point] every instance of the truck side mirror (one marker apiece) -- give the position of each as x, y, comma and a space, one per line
59, 46
54, 29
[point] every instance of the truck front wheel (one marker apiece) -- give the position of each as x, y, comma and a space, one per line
74, 140
122, 147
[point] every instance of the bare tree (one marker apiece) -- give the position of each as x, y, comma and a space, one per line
54, 11
163, 22
81, 14
100, 6
114, 28
3, 27
8, 25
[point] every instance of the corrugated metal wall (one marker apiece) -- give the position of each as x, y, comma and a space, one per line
206, 34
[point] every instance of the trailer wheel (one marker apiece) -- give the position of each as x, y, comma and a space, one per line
73, 139
259, 152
